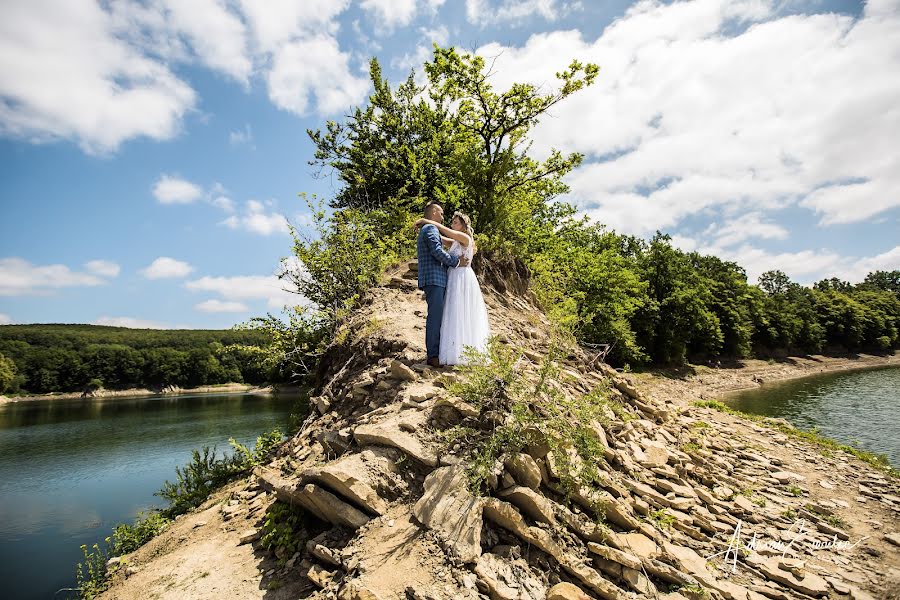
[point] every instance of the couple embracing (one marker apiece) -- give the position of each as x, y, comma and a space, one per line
457, 317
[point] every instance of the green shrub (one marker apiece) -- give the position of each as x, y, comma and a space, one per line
531, 413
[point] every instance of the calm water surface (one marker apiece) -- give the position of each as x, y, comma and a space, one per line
70, 470
860, 408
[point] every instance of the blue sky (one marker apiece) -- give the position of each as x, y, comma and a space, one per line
150, 151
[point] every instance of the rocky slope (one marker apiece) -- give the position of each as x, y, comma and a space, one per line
389, 514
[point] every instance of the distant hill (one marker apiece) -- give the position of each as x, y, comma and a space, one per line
61, 357
77, 335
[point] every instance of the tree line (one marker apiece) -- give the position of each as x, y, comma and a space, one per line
59, 357
455, 139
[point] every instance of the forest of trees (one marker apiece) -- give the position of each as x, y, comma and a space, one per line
58, 357
457, 140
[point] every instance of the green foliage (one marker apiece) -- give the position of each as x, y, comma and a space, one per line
346, 257
457, 140
128, 538
53, 358
8, 373
532, 413
91, 575
194, 483
662, 518
280, 529
206, 472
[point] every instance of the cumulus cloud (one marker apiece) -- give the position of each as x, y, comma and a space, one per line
165, 267
711, 107
170, 189
305, 69
255, 219
246, 287
131, 322
18, 277
66, 74
219, 306
5, 319
314, 70
99, 73
103, 268
216, 34
241, 136
390, 13
484, 12
750, 225
439, 35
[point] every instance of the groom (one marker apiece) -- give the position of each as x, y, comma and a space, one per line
433, 264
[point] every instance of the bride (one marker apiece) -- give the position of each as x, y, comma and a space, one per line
465, 321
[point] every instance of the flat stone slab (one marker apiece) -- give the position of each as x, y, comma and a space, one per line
388, 433
355, 478
448, 507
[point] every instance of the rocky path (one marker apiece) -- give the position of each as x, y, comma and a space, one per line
693, 503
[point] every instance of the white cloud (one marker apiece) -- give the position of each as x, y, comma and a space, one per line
314, 67
483, 12
5, 319
241, 136
248, 287
66, 74
439, 35
18, 277
170, 189
218, 306
886, 261
807, 266
98, 73
275, 22
103, 268
737, 229
167, 268
215, 33
711, 107
255, 219
131, 322
390, 13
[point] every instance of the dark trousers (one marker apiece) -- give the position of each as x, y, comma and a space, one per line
434, 297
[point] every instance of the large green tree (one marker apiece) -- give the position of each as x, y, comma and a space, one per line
455, 139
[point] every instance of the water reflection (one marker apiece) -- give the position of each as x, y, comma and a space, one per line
71, 469
857, 408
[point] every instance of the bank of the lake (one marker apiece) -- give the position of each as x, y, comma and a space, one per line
71, 469
222, 388
700, 382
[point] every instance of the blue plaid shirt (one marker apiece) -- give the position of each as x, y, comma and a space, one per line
433, 259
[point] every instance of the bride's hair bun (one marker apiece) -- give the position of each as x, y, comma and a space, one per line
466, 221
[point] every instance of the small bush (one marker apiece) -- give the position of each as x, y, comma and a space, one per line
518, 413
280, 527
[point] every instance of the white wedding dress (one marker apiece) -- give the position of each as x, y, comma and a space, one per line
465, 321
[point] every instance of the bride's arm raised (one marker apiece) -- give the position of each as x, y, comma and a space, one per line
459, 236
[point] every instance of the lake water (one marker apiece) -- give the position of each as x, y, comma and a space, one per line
70, 470
859, 408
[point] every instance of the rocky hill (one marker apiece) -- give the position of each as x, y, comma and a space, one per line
388, 512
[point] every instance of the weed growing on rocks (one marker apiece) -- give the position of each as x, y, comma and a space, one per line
532, 413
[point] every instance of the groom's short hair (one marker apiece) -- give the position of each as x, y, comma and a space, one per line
431, 204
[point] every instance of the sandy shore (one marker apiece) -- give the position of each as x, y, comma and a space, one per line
172, 391
696, 382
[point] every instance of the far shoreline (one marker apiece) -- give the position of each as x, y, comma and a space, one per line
701, 382
243, 388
